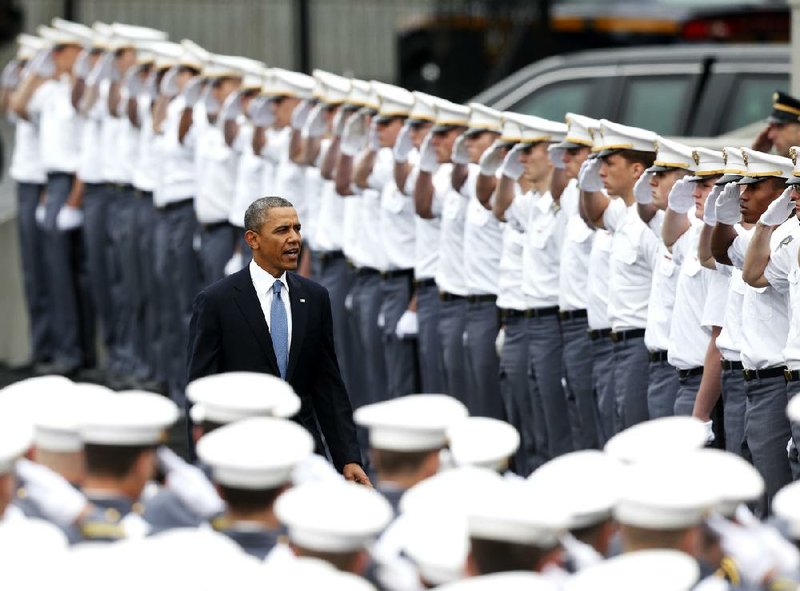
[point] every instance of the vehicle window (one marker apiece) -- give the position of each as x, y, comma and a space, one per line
751, 99
655, 103
555, 100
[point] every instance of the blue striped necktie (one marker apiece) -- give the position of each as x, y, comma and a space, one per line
279, 328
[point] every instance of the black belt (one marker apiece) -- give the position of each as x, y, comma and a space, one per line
511, 313
120, 186
599, 333
541, 312
624, 335
366, 272
425, 282
450, 297
657, 356
762, 374
688, 373
214, 226
397, 273
331, 255
791, 375
479, 299
731, 365
145, 194
572, 314
176, 204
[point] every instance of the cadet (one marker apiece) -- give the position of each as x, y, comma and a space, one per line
484, 442
674, 570
783, 126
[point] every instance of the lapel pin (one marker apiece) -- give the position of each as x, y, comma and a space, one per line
302, 301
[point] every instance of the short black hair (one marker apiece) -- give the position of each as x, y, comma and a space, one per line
494, 556
646, 159
257, 212
246, 500
400, 462
115, 461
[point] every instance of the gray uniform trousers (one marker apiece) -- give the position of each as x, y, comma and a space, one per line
367, 299
217, 242
662, 389
578, 373
178, 283
484, 366
630, 381
546, 372
452, 320
734, 401
792, 388
687, 394
34, 271
429, 348
400, 354
603, 385
62, 276
148, 336
767, 431
516, 397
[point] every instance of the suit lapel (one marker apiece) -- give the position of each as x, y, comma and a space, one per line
248, 304
299, 319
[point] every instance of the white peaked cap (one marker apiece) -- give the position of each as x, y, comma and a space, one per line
482, 441
450, 114
454, 489
193, 55
437, 541
786, 507
288, 83
59, 37
623, 137
570, 476
579, 131
255, 453
362, 94
707, 163
336, 88
229, 397
58, 416
394, 101
508, 581
736, 479
15, 438
416, 422
83, 34
535, 129
671, 155
510, 132
760, 165
657, 438
129, 418
333, 516
654, 570
167, 53
483, 118
424, 108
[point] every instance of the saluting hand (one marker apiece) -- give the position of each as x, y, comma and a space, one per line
355, 473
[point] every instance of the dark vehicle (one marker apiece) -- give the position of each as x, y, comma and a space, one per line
688, 90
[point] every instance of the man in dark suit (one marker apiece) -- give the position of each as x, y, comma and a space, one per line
243, 323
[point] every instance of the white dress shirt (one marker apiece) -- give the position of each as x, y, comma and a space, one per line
450, 272
510, 295
313, 197
26, 162
90, 162
216, 164
729, 341
426, 257
397, 223
58, 124
248, 174
573, 274
783, 273
373, 253
263, 282
148, 163
597, 281
177, 181
483, 241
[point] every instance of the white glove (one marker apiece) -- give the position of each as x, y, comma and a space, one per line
232, 106
83, 64
354, 137
132, 81
104, 69
57, 499
791, 448
300, 114
727, 210
150, 84
779, 210
207, 99
589, 176
374, 141
403, 144
42, 64
680, 199
491, 159
642, 191
428, 162
234, 264
459, 154
10, 76
260, 112
338, 123
407, 326
316, 124
583, 555
709, 425
783, 554
512, 167
169, 82
69, 218
190, 484
710, 207
556, 156
192, 91
500, 341
40, 214
748, 552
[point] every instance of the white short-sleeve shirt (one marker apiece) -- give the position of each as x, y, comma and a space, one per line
483, 241
177, 159
248, 175
26, 161
58, 123
428, 230
783, 273
397, 225
541, 254
90, 163
147, 164
573, 274
217, 164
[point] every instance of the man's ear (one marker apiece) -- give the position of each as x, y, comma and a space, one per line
251, 238
637, 168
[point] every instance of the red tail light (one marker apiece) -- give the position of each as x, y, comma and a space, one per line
761, 26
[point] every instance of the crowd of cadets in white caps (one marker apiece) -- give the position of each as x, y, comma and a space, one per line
568, 288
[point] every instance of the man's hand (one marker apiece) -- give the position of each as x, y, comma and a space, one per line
355, 134
260, 112
427, 156
193, 91
316, 124
589, 177
460, 154
728, 211
492, 159
556, 156
680, 199
355, 473
512, 167
762, 143
710, 208
642, 191
779, 210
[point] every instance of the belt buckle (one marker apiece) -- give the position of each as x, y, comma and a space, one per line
787, 375
750, 374
615, 337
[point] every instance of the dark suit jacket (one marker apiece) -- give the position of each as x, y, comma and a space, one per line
228, 332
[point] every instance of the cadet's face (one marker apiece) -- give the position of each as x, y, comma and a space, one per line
419, 131
443, 142
183, 76
246, 98
223, 87
276, 246
701, 190
64, 57
755, 198
124, 59
662, 183
796, 199
537, 165
478, 144
387, 132
618, 174
282, 108
784, 136
573, 159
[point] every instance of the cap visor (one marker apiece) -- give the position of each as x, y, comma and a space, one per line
728, 178
442, 128
692, 179
565, 145
793, 180
603, 153
780, 117
751, 180
659, 168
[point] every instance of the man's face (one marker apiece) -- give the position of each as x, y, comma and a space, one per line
573, 159
784, 136
246, 98
387, 131
124, 59
419, 131
662, 183
619, 175
701, 190
223, 87
755, 198
796, 199
64, 57
537, 164
183, 76
478, 143
276, 245
282, 107
443, 142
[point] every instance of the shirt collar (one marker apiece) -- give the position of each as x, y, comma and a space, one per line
263, 281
